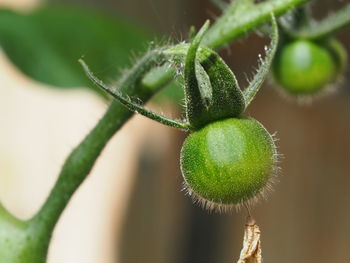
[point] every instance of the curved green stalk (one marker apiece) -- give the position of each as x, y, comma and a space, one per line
27, 242
81, 160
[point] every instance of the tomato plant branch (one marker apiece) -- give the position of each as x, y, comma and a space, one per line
243, 16
81, 160
28, 241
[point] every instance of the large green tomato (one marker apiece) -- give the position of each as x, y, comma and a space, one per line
304, 67
228, 162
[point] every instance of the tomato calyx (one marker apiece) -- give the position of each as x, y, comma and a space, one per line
211, 90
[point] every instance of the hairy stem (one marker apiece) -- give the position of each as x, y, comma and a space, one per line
80, 162
229, 27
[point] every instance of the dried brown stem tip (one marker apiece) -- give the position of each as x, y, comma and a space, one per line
251, 251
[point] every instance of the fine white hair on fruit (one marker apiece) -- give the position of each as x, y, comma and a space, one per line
263, 193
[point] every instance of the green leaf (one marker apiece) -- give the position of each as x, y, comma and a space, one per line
47, 43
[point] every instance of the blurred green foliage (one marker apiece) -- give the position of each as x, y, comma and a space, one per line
46, 43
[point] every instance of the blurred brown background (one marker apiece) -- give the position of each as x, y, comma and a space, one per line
148, 219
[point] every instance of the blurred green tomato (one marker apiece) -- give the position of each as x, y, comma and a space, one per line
303, 67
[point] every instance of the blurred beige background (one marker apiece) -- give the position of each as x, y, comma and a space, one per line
131, 209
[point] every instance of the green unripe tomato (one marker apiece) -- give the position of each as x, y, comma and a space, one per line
228, 162
304, 67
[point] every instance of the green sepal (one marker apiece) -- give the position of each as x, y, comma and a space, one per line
265, 65
211, 89
133, 106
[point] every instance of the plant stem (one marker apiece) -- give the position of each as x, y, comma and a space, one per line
7, 216
229, 27
80, 162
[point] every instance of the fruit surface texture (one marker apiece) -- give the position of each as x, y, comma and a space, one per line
228, 162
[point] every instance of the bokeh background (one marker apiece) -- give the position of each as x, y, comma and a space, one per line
131, 208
